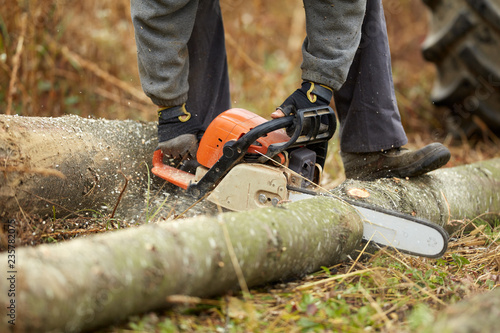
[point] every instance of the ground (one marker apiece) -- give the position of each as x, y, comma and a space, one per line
79, 58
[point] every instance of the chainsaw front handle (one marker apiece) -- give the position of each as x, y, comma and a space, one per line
307, 129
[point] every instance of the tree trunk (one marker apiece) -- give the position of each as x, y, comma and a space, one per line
446, 196
86, 283
475, 315
92, 154
69, 164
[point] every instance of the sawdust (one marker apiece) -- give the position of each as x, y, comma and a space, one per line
69, 164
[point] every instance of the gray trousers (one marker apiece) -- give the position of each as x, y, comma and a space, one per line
182, 56
208, 79
366, 103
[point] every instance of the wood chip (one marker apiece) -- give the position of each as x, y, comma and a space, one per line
358, 193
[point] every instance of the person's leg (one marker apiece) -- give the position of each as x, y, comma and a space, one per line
366, 103
208, 74
162, 31
208, 94
371, 132
182, 59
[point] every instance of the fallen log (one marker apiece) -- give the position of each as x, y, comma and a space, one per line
448, 197
57, 166
476, 314
87, 283
64, 165
76, 166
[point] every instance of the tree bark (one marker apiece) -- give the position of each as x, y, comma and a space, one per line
86, 283
69, 164
477, 314
446, 196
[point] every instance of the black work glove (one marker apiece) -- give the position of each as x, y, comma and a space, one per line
310, 94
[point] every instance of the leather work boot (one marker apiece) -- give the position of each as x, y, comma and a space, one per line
396, 162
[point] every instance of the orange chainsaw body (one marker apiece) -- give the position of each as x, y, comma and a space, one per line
228, 126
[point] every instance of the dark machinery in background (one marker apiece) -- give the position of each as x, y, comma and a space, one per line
464, 44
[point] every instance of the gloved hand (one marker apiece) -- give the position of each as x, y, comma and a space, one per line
310, 94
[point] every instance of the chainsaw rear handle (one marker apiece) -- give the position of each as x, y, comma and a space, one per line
306, 127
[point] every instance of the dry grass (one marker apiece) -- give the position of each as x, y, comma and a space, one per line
77, 58
65, 57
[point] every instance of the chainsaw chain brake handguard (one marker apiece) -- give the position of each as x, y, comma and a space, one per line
308, 126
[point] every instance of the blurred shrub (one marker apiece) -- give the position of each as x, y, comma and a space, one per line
73, 54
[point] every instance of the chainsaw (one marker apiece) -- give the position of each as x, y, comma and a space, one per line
246, 162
